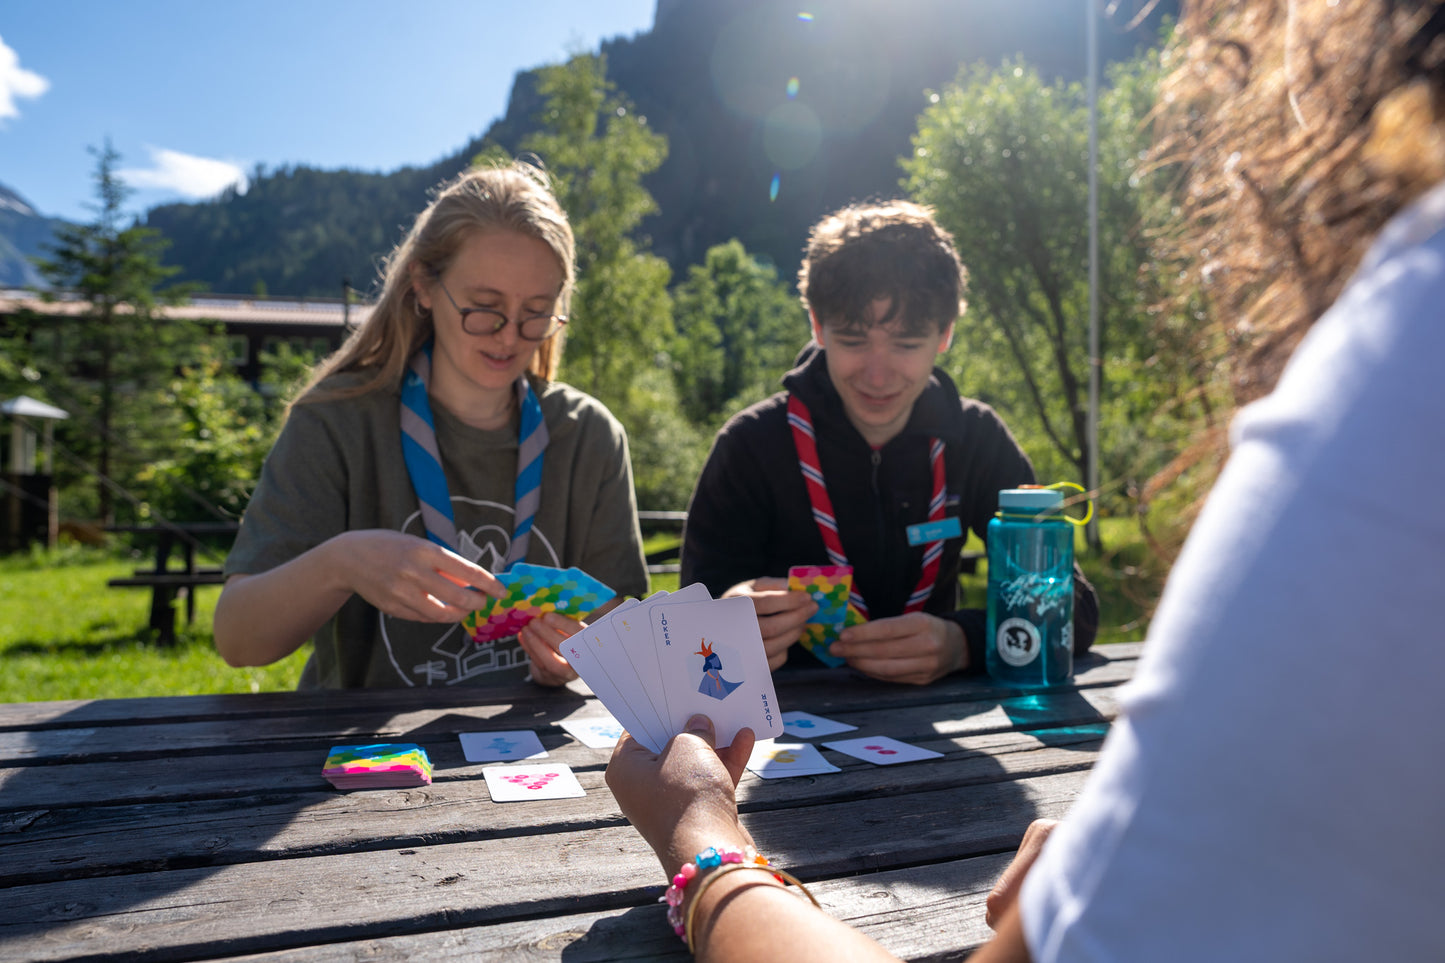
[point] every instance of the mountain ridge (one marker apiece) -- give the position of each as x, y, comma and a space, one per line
745, 92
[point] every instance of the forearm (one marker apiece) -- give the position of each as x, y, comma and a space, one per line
748, 916
265, 617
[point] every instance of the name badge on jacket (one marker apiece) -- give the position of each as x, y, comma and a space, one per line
925, 532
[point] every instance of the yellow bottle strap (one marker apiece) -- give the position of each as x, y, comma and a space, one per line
1088, 502
1039, 516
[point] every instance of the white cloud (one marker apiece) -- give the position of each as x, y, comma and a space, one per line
16, 82
186, 174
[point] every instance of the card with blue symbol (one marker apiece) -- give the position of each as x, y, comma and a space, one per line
507, 746
805, 725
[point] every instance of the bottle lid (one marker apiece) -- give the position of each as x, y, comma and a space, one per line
1031, 500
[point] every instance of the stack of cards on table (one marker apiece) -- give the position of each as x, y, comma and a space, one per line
656, 662
830, 586
534, 590
390, 764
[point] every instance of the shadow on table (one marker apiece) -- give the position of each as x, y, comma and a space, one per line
1063, 720
101, 820
637, 933
916, 820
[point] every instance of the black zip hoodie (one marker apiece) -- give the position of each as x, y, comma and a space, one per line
750, 515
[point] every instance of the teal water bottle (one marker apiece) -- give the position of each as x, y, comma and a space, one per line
1030, 640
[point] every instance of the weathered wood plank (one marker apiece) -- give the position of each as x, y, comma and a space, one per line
239, 766
64, 843
200, 827
184, 914
83, 713
432, 726
932, 913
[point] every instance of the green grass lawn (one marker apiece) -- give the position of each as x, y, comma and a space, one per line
64, 634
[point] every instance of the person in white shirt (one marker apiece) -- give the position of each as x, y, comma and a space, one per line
1273, 788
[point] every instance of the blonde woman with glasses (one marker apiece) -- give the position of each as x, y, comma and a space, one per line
431, 451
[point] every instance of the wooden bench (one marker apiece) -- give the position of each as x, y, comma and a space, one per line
165, 586
165, 582
664, 560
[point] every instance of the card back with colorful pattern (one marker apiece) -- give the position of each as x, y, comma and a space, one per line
534, 590
829, 585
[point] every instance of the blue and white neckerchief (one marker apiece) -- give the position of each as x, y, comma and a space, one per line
424, 464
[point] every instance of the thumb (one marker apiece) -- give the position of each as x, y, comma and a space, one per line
701, 726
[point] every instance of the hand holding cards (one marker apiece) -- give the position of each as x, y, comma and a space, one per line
532, 591
655, 663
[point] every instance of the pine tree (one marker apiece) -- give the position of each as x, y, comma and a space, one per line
116, 352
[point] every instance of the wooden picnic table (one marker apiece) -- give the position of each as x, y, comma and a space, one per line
200, 827
166, 581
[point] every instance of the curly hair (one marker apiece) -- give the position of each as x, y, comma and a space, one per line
893, 249
1303, 126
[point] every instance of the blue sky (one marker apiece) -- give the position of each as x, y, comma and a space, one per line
194, 93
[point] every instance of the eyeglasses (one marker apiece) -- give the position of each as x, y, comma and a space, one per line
533, 327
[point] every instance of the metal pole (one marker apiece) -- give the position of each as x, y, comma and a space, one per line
1095, 369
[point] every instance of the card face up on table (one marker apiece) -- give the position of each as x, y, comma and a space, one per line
656, 662
501, 746
532, 591
518, 783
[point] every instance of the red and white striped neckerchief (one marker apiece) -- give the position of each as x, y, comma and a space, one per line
802, 424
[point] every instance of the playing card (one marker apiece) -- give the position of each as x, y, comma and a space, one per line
613, 660
712, 661
594, 733
882, 750
828, 585
534, 590
578, 655
778, 760
505, 746
497, 618
805, 725
633, 626
513, 783
571, 591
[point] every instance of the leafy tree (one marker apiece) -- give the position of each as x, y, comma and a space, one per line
118, 349
218, 430
1003, 159
598, 150
216, 440
738, 330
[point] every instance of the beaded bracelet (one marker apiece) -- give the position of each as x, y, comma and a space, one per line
707, 859
781, 876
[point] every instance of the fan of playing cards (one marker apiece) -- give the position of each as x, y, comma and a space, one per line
534, 590
656, 662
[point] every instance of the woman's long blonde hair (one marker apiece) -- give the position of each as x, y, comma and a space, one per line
512, 197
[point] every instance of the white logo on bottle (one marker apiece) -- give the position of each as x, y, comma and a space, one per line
1018, 642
